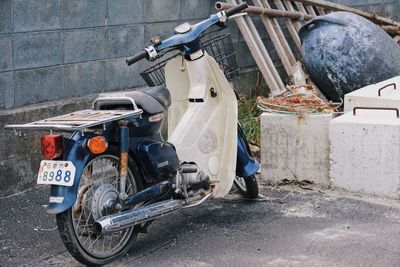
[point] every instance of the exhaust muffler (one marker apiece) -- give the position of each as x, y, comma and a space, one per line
119, 221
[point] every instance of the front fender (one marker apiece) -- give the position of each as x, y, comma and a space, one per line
246, 165
63, 197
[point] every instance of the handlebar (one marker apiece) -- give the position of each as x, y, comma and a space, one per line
150, 52
136, 58
236, 9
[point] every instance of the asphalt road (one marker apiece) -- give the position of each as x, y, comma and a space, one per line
307, 228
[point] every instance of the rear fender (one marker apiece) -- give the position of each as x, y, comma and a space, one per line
63, 197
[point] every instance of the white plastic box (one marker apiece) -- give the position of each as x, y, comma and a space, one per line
365, 152
295, 147
382, 94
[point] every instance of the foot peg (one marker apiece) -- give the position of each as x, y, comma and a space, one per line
204, 184
189, 167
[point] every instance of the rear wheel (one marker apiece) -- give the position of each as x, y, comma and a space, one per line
98, 191
247, 186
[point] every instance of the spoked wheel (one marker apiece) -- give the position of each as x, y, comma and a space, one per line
97, 197
247, 186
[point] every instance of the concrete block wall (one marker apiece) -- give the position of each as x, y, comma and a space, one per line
56, 49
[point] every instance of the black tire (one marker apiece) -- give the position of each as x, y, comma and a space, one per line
247, 186
69, 227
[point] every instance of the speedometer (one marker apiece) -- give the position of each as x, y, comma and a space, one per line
183, 28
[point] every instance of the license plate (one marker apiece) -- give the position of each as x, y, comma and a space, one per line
56, 172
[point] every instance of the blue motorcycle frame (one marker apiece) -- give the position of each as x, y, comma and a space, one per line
75, 150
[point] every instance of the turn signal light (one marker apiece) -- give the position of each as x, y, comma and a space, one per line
52, 146
97, 145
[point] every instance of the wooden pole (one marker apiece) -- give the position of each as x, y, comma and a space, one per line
275, 40
310, 10
321, 11
273, 13
281, 36
337, 7
280, 86
289, 7
257, 53
292, 30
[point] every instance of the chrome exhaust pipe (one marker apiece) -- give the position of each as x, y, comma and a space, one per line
120, 221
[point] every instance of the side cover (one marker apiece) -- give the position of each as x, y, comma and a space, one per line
159, 159
206, 133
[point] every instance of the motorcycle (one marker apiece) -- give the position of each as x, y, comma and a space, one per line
114, 174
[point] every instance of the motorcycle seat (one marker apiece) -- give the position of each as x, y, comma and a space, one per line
151, 99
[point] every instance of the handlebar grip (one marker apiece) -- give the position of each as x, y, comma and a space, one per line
236, 9
136, 58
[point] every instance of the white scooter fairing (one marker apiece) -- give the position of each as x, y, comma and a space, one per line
203, 132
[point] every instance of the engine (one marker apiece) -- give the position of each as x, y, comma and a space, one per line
189, 180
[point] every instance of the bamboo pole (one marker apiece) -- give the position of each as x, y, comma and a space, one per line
292, 30
337, 7
275, 40
281, 36
289, 7
273, 13
264, 51
259, 56
300, 7
321, 11
310, 10
391, 29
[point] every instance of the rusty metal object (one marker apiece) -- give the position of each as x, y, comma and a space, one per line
123, 164
376, 108
386, 86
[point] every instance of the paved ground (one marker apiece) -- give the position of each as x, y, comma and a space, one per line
307, 228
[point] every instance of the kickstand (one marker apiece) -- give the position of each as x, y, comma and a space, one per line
143, 227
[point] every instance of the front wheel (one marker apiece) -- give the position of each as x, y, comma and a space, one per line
98, 191
247, 186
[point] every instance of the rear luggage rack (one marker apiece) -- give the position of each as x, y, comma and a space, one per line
77, 121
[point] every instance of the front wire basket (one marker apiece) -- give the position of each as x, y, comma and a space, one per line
220, 47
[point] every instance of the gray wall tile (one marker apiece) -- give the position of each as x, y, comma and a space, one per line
195, 9
162, 30
83, 45
124, 41
389, 10
83, 13
125, 11
84, 79
37, 49
6, 60
165, 10
243, 58
5, 16
119, 76
37, 85
6, 90
36, 15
